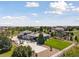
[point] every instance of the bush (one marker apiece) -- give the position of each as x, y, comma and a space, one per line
22, 51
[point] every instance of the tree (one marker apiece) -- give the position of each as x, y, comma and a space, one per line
5, 44
52, 34
76, 39
40, 39
71, 38
41, 29
22, 51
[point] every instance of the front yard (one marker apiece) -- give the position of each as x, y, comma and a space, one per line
56, 43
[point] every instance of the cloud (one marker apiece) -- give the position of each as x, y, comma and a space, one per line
53, 12
32, 4
37, 21
14, 20
7, 17
77, 19
34, 14
13, 17
57, 12
76, 9
46, 12
60, 7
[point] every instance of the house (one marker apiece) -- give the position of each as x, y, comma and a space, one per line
31, 36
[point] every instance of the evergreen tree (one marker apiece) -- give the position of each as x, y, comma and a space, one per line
52, 34
40, 39
41, 29
76, 39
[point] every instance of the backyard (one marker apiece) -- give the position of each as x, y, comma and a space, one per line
58, 44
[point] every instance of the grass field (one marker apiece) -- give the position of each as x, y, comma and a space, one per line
58, 44
74, 52
9, 53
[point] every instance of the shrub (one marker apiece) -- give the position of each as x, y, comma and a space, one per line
22, 51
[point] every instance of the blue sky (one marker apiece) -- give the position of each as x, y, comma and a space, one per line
39, 13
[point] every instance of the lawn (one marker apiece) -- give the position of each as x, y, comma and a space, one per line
9, 53
56, 43
74, 52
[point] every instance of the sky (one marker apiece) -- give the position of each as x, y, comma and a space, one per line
39, 13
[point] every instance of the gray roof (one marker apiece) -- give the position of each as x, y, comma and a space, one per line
37, 34
33, 35
28, 32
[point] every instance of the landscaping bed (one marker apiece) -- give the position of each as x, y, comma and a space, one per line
56, 43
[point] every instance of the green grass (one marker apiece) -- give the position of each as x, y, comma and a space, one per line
9, 53
74, 52
58, 44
